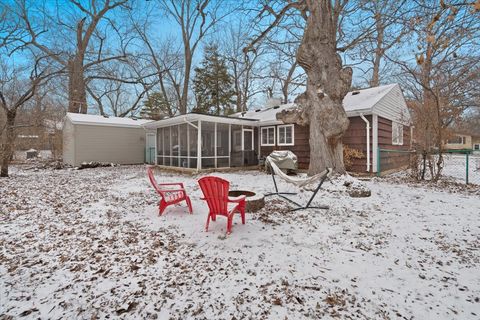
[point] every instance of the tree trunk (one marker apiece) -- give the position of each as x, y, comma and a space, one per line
327, 84
8, 148
77, 93
375, 81
186, 82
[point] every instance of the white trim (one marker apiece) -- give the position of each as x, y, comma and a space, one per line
191, 117
293, 135
215, 143
274, 136
375, 142
367, 129
199, 145
243, 139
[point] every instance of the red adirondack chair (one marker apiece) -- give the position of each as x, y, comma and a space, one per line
170, 195
215, 191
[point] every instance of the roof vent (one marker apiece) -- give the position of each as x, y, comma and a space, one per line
243, 113
105, 116
276, 107
258, 110
354, 93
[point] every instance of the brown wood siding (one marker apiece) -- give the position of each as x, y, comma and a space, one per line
301, 147
355, 138
392, 160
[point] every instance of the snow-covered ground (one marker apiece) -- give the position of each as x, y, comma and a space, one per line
89, 244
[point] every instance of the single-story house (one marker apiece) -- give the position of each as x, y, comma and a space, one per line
104, 139
379, 119
463, 141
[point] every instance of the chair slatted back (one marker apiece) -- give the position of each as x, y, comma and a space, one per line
215, 191
151, 177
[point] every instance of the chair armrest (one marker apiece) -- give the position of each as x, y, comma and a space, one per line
170, 184
172, 190
237, 199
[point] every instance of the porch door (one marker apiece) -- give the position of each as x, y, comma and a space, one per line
150, 148
247, 140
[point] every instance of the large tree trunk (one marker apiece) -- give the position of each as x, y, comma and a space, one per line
327, 84
186, 82
7, 151
77, 93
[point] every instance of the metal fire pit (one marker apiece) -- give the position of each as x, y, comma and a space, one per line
254, 201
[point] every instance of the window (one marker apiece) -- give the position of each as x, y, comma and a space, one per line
476, 147
286, 135
457, 140
397, 134
268, 136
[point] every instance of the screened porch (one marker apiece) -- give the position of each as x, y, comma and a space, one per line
222, 144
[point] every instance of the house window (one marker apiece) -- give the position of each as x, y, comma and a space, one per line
397, 134
476, 147
268, 136
457, 140
286, 135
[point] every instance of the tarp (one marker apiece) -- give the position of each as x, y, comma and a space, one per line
286, 160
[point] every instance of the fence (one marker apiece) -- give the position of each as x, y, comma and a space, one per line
460, 165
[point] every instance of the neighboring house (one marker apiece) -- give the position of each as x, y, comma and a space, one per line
379, 119
463, 141
104, 139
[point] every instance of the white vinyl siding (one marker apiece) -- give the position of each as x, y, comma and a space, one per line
397, 134
268, 136
285, 135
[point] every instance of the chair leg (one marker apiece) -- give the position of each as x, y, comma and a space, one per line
229, 224
189, 204
161, 207
242, 213
208, 222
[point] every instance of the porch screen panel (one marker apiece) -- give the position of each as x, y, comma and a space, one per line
208, 145
222, 145
175, 153
183, 128
166, 146
192, 135
236, 154
160, 146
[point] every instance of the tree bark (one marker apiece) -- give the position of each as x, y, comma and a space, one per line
77, 93
327, 84
7, 151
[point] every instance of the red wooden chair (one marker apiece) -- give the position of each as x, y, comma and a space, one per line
215, 191
170, 195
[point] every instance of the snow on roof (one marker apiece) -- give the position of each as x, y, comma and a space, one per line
354, 102
365, 99
90, 119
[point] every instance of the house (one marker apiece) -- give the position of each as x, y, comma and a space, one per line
379, 119
104, 139
463, 141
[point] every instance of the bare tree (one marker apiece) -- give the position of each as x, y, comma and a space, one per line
391, 25
14, 94
328, 82
444, 78
195, 18
67, 35
244, 68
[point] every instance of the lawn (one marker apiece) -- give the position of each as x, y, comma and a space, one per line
88, 244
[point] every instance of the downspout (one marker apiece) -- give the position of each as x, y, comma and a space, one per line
368, 140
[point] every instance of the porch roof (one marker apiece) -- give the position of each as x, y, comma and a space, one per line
190, 117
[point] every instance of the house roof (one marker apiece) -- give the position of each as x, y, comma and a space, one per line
192, 117
90, 119
386, 101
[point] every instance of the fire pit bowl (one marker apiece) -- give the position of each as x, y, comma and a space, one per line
254, 201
